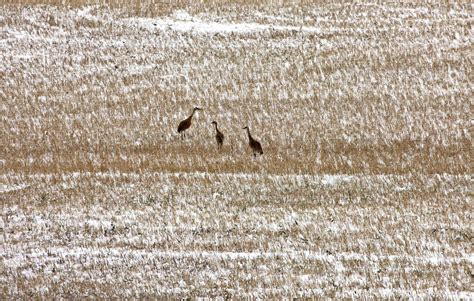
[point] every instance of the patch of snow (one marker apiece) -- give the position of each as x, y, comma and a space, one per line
182, 15
184, 23
8, 188
332, 180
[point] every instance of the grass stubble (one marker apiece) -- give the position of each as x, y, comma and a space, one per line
102, 199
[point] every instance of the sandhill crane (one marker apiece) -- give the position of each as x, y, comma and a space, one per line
254, 144
219, 136
186, 123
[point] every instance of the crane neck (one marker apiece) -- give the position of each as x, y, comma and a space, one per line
248, 133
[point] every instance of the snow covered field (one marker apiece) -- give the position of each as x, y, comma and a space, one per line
239, 235
363, 111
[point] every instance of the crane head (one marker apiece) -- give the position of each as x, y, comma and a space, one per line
246, 128
214, 122
197, 109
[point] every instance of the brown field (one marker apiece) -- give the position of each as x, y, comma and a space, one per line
364, 112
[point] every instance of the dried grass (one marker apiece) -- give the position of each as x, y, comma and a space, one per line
102, 199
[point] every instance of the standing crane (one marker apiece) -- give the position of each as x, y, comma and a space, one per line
186, 123
254, 144
219, 136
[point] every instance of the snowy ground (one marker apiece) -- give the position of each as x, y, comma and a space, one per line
364, 191
238, 235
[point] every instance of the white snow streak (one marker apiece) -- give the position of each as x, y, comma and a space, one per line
9, 188
307, 255
196, 25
